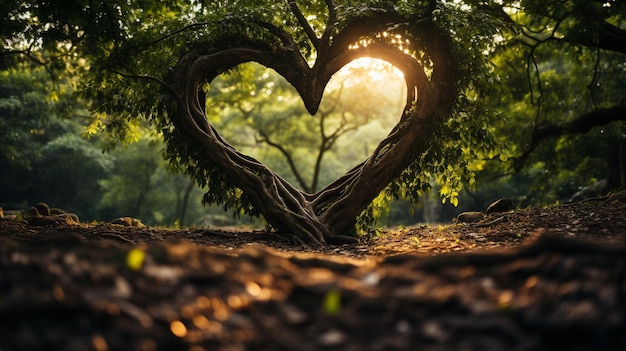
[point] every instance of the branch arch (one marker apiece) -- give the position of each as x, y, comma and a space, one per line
324, 216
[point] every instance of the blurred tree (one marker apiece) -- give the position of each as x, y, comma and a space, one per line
68, 175
360, 106
132, 183
43, 157
561, 102
24, 111
141, 186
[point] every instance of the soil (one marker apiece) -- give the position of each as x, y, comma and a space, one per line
550, 278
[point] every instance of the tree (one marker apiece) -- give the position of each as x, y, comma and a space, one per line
153, 61
24, 111
563, 67
141, 186
40, 145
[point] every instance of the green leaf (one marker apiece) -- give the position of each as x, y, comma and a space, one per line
332, 302
135, 259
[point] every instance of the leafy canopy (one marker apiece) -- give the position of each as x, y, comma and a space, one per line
125, 53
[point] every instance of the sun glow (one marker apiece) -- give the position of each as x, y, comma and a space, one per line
368, 70
377, 69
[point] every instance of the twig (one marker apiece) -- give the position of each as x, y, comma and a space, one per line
118, 237
597, 198
492, 222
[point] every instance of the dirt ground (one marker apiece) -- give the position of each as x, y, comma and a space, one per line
549, 278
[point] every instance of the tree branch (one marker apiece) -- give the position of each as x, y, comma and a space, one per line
292, 165
609, 38
33, 58
304, 23
580, 125
174, 33
150, 78
279, 32
330, 24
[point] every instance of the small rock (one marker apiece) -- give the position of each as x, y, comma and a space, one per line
371, 279
293, 314
502, 205
31, 213
332, 337
435, 331
598, 188
619, 196
67, 218
56, 211
72, 216
128, 222
403, 327
13, 215
42, 221
469, 217
42, 208
137, 223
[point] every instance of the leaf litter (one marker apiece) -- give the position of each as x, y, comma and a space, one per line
530, 279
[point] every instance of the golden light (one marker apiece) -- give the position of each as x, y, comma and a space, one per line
58, 293
178, 328
99, 343
201, 321
371, 69
203, 302
253, 289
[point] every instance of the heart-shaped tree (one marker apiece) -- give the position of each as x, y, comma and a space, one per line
305, 43
421, 50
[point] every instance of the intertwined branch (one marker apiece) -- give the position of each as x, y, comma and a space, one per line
324, 216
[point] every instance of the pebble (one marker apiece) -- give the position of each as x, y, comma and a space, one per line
501, 205
332, 337
469, 217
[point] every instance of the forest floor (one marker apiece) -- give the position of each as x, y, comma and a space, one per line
550, 278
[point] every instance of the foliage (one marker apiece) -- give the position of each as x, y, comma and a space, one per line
24, 109
46, 158
523, 65
141, 186
466, 136
120, 41
557, 68
40, 145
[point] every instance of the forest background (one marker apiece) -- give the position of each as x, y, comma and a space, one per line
53, 150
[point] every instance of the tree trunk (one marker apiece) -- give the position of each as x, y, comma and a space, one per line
616, 164
184, 203
321, 217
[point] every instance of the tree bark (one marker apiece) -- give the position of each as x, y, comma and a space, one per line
185, 202
321, 217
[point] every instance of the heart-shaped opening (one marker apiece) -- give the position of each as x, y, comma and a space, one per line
425, 57
262, 115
